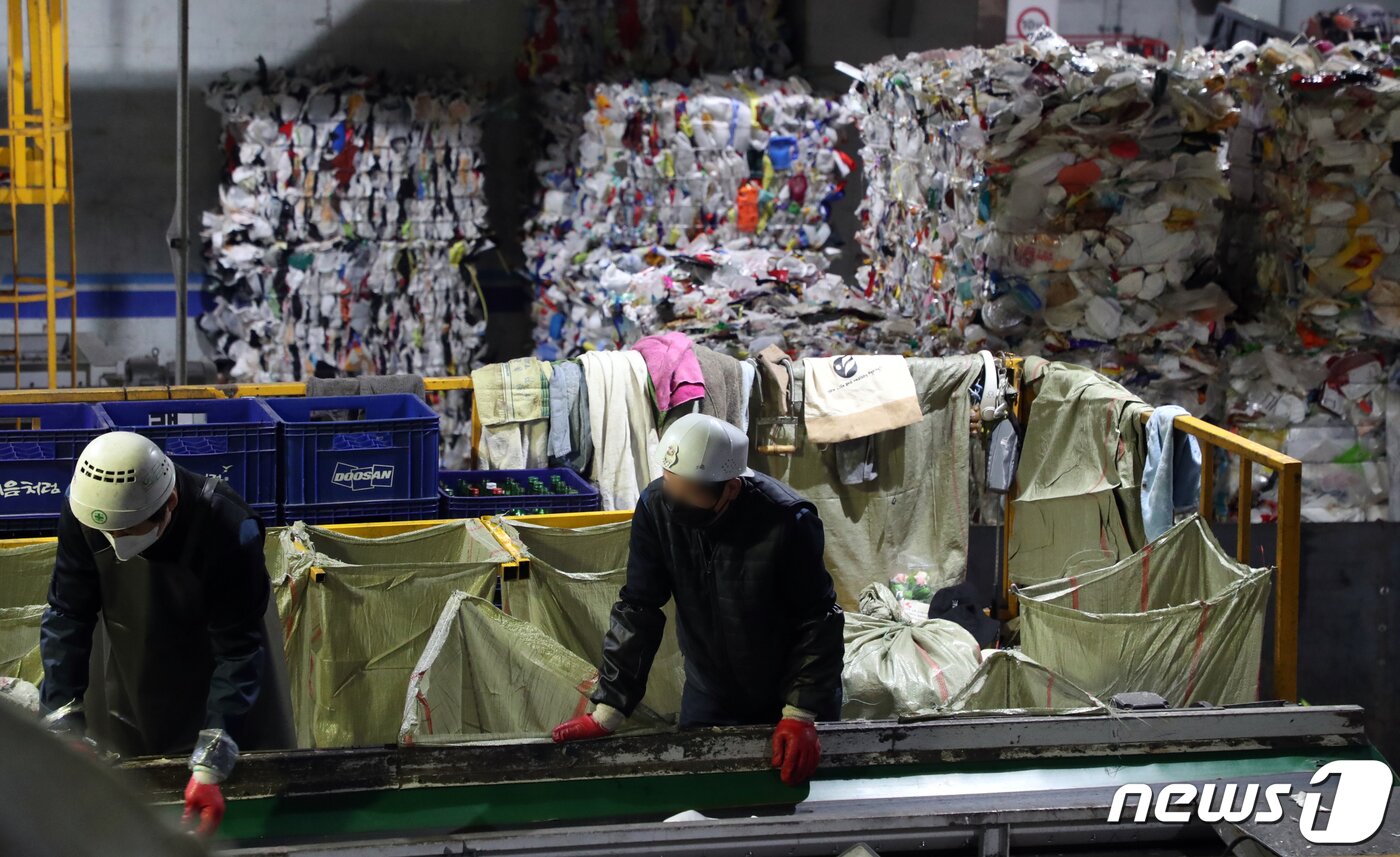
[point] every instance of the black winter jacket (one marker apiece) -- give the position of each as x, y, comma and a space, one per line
757, 619
188, 647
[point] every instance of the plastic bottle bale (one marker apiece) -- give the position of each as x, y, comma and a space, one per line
1179, 618
574, 606
1008, 682
486, 673
895, 667
24, 585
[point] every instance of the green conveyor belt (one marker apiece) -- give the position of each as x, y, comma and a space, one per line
486, 807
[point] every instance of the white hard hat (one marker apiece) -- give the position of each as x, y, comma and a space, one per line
121, 480
705, 449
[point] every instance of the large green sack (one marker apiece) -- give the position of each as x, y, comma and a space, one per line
1009, 682
914, 516
24, 591
896, 667
1078, 484
485, 673
1180, 618
353, 637
575, 576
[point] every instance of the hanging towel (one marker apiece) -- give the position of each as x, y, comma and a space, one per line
854, 396
381, 384
724, 386
623, 427
855, 460
746, 393
514, 446
1171, 475
512, 392
675, 373
563, 398
366, 385
777, 372
570, 434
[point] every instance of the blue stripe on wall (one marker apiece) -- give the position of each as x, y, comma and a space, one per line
123, 296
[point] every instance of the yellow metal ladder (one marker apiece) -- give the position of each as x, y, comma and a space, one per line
37, 152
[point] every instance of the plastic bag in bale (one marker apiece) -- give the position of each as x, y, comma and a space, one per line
574, 607
24, 589
486, 673
1008, 682
896, 667
1179, 618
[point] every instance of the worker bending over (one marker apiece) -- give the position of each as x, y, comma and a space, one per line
756, 612
173, 563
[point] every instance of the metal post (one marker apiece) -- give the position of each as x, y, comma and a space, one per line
1286, 591
179, 229
1244, 512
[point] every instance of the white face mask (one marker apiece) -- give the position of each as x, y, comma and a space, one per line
126, 547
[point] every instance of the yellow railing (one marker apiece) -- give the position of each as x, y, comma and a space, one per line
36, 146
1286, 551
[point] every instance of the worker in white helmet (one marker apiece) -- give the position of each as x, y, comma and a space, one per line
756, 612
172, 562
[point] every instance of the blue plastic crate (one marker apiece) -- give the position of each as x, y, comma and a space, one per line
354, 449
28, 526
233, 439
586, 500
372, 510
39, 447
270, 513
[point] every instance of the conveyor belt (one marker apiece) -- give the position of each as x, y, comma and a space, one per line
1026, 771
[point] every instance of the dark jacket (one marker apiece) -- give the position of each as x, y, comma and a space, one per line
757, 619
187, 643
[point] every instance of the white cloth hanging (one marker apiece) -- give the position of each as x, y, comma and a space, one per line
623, 425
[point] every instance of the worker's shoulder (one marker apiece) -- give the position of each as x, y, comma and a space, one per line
776, 494
235, 522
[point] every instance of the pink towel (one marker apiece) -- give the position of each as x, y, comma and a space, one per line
675, 373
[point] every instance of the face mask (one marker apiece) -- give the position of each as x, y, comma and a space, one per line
687, 515
126, 547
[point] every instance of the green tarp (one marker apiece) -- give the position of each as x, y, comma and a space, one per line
24, 592
896, 667
1080, 474
486, 673
1009, 682
575, 576
914, 516
353, 638
1179, 618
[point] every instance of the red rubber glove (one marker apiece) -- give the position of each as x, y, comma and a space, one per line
205, 802
796, 749
581, 728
